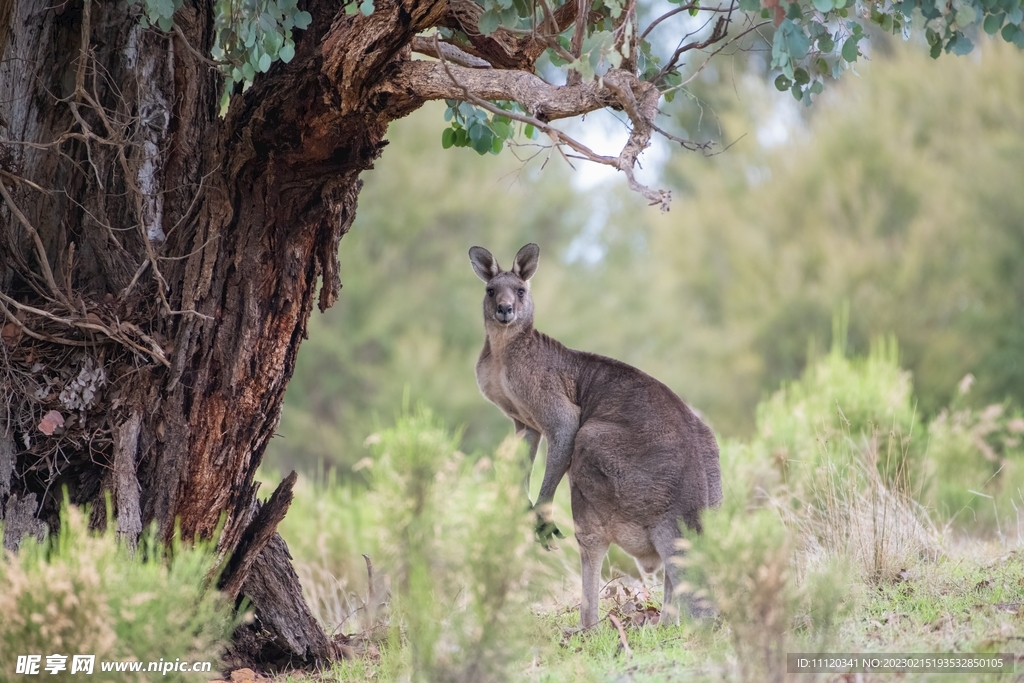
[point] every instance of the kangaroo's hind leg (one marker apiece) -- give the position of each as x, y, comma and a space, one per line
592, 552
664, 537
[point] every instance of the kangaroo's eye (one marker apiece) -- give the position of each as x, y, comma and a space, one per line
490, 292
522, 292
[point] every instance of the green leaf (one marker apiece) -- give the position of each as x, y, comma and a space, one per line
530, 132
794, 12
496, 146
482, 143
265, 61
248, 72
959, 44
302, 20
163, 8
966, 15
798, 94
817, 87
850, 50
287, 52
366, 7
822, 5
782, 83
826, 44
750, 5
447, 137
510, 17
489, 22
501, 129
165, 24
802, 77
796, 41
993, 23
1015, 15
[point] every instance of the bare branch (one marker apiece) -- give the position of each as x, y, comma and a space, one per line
683, 142
667, 15
717, 34
448, 52
44, 262
117, 332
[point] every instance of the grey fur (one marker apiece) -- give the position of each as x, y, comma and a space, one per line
638, 459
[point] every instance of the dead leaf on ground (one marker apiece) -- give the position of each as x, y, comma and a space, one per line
11, 335
50, 422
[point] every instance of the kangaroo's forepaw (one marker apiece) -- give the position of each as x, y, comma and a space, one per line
546, 531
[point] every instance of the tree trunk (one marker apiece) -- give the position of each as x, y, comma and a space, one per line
159, 263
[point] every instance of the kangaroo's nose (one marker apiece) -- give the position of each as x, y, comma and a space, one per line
504, 309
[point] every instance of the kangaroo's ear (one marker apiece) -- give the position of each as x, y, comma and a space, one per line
527, 261
484, 264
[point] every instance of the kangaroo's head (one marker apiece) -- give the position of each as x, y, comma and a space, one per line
507, 301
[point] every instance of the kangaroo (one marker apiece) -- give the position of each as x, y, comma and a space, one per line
638, 459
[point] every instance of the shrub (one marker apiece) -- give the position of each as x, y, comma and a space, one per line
861, 401
976, 459
747, 562
79, 592
456, 539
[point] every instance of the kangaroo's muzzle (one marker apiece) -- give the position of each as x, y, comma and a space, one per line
504, 315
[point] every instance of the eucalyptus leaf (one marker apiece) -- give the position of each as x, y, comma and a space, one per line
850, 50
287, 52
489, 22
993, 23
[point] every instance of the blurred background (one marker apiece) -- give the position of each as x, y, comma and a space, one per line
897, 194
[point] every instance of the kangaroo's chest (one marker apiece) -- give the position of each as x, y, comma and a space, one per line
496, 385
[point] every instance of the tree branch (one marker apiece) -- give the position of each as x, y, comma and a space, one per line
420, 81
449, 52
544, 103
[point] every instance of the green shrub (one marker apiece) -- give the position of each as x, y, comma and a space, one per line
749, 566
80, 592
866, 402
976, 461
456, 539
